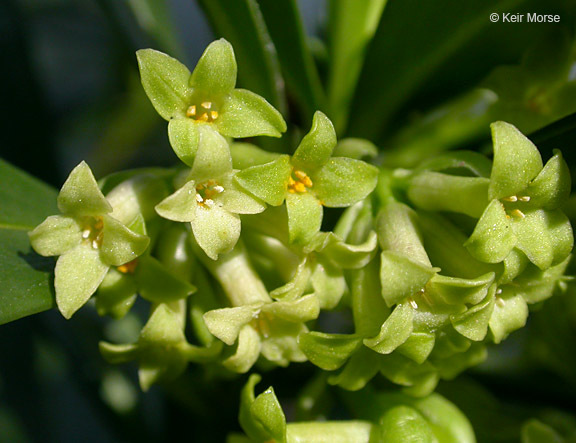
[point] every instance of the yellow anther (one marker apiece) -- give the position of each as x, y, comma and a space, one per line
517, 213
512, 199
299, 187
191, 112
128, 268
206, 191
298, 182
202, 112
525, 198
300, 174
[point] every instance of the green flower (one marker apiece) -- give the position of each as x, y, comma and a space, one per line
161, 350
310, 179
87, 239
204, 99
525, 200
210, 200
269, 329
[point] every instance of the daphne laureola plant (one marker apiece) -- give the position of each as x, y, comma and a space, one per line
229, 249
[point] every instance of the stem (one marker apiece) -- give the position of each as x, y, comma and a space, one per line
332, 431
235, 274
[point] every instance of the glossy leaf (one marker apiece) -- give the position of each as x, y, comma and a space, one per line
241, 23
24, 275
298, 66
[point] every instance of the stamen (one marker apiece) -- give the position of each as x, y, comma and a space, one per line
500, 302
218, 189
86, 234
191, 112
525, 198
128, 268
512, 198
199, 198
206, 105
298, 182
517, 213
413, 304
214, 115
498, 291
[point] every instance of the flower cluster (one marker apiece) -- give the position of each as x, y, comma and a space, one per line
232, 250
466, 245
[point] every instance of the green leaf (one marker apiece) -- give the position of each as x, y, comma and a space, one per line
79, 272
317, 145
395, 330
493, 237
24, 276
267, 410
304, 217
516, 161
291, 42
184, 138
347, 50
165, 81
215, 73
392, 72
246, 114
241, 23
344, 181
80, 194
56, 235
328, 351
268, 182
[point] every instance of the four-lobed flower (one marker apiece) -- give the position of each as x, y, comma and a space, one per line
204, 99
210, 200
88, 240
309, 180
